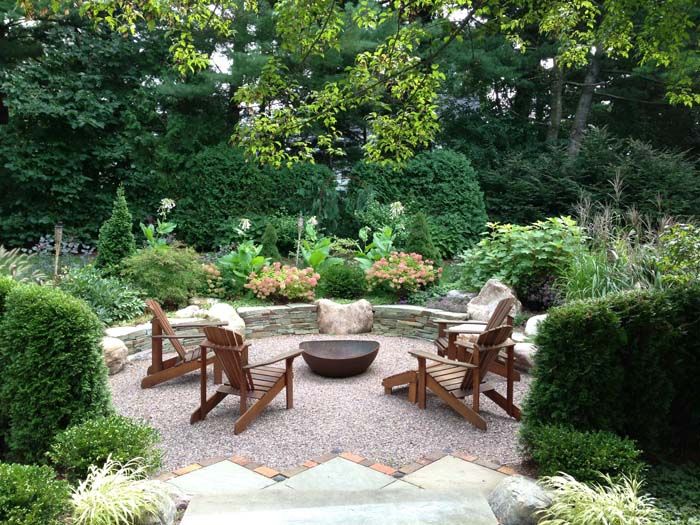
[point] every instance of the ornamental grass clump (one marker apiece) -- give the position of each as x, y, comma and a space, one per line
283, 283
402, 273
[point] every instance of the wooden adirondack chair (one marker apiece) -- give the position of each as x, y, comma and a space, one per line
187, 358
446, 342
454, 380
259, 381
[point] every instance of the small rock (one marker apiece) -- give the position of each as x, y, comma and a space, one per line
524, 356
167, 508
342, 319
458, 294
115, 354
533, 324
188, 312
225, 313
517, 500
482, 306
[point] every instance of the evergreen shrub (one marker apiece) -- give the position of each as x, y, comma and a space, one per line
441, 183
171, 275
419, 239
627, 363
583, 455
91, 443
31, 495
53, 371
343, 281
269, 243
116, 240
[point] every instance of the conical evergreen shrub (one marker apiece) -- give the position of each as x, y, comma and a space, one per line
116, 241
419, 239
269, 243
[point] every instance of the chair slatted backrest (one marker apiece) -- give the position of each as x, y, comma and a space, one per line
229, 349
488, 345
500, 313
166, 327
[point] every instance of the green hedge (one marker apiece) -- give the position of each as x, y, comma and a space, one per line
52, 369
440, 183
627, 363
31, 495
6, 284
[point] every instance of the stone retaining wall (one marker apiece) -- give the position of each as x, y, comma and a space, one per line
266, 321
299, 319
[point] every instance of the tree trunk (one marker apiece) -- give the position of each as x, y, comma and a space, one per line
584, 106
555, 104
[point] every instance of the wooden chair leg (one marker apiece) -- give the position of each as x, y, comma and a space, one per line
509, 408
157, 378
202, 411
421, 382
413, 392
289, 382
463, 410
253, 412
404, 378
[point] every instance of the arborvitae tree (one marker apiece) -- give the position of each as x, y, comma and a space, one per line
269, 243
419, 239
116, 241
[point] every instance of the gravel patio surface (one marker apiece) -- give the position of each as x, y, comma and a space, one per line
329, 415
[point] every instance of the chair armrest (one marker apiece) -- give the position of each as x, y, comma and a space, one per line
438, 359
281, 357
469, 344
450, 321
200, 336
194, 325
208, 344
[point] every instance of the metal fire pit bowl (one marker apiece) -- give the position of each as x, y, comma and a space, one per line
339, 358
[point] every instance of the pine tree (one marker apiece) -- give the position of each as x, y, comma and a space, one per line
269, 243
419, 239
116, 241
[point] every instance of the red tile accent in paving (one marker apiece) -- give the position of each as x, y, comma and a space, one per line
465, 457
165, 476
253, 465
507, 470
309, 463
434, 456
366, 462
424, 461
384, 469
352, 457
324, 458
186, 470
212, 461
267, 471
410, 468
239, 460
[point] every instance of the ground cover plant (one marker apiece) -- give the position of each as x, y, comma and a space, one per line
31, 495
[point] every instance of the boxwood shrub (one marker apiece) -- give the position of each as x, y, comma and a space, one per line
53, 372
90, 443
583, 455
6, 284
627, 363
343, 281
31, 495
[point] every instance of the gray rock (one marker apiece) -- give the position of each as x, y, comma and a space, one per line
524, 356
517, 500
225, 313
482, 306
533, 324
115, 354
342, 319
167, 508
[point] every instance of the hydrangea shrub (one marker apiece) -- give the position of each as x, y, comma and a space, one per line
283, 283
402, 272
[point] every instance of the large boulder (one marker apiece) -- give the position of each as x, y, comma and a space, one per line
188, 312
482, 306
115, 354
225, 313
517, 500
342, 319
524, 354
533, 324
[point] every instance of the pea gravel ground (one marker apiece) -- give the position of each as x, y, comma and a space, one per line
329, 415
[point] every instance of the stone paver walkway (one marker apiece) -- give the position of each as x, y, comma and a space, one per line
343, 489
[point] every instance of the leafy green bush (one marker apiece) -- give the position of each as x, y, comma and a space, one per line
316, 248
268, 242
343, 281
440, 183
31, 495
376, 217
419, 239
111, 299
237, 266
170, 275
583, 455
679, 253
677, 492
90, 443
626, 363
613, 502
381, 247
116, 493
6, 285
116, 240
521, 255
59, 377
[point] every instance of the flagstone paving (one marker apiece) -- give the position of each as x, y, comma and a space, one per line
334, 489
